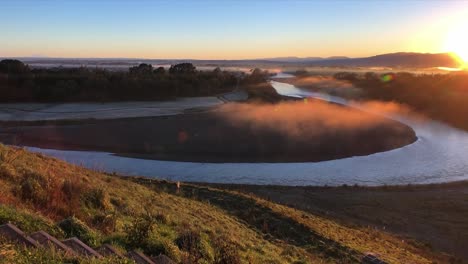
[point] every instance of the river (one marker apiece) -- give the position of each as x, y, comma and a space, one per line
439, 155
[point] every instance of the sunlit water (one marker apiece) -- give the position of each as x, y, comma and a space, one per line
439, 155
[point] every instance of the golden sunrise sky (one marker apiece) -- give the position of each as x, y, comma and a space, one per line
230, 29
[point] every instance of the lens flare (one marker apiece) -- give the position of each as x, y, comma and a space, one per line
457, 42
387, 77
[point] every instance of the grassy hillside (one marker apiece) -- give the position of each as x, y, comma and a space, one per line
434, 214
41, 193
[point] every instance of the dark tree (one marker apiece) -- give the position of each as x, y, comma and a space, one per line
257, 76
160, 70
301, 73
217, 70
182, 68
143, 68
371, 76
13, 66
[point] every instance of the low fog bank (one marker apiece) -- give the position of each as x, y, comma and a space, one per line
308, 118
294, 131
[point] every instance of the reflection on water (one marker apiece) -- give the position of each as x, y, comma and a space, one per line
439, 155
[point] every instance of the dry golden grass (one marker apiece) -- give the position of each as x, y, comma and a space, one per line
38, 191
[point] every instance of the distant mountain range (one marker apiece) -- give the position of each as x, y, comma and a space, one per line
393, 60
400, 59
306, 59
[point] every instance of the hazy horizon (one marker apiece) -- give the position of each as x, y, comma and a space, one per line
202, 59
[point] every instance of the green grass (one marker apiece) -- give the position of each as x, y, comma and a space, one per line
195, 224
28, 222
11, 253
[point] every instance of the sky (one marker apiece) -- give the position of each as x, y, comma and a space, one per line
228, 29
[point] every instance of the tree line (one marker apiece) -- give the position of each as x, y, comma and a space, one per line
20, 83
439, 96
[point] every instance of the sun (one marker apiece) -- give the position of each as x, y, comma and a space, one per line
457, 42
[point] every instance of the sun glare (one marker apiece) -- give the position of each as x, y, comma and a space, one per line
457, 42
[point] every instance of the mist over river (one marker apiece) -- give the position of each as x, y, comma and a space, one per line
439, 155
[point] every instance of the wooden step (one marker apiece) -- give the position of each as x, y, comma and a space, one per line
108, 250
162, 259
13, 233
139, 257
49, 241
81, 248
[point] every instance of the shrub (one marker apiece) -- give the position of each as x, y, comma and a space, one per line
97, 198
171, 250
106, 223
8, 172
140, 229
197, 248
188, 240
73, 227
35, 188
119, 204
155, 247
162, 218
72, 190
225, 252
10, 155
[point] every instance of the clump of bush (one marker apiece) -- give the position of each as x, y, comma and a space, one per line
105, 222
139, 231
97, 198
189, 240
197, 248
225, 252
72, 189
35, 187
163, 246
8, 172
9, 155
73, 227
162, 218
171, 250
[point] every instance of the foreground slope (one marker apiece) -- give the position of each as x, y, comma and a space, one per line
41, 193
